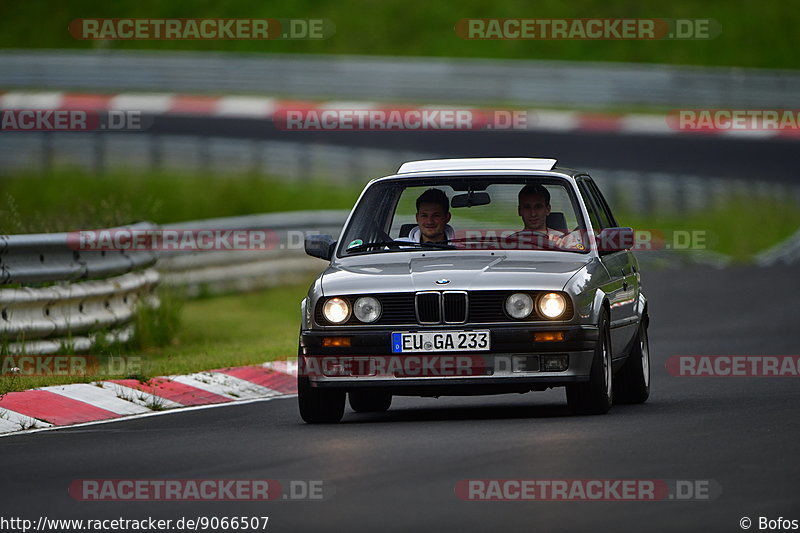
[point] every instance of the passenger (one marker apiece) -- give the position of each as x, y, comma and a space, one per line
533, 207
433, 215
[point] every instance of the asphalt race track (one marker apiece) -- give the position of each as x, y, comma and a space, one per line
397, 471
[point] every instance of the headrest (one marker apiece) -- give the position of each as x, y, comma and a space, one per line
405, 229
557, 221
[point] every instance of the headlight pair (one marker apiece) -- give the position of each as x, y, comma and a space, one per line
550, 305
337, 310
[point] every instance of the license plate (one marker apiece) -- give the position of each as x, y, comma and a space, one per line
440, 341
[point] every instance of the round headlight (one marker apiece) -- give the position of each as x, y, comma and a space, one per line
519, 305
336, 310
367, 309
552, 305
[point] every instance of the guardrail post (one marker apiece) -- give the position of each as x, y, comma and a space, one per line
304, 162
98, 153
204, 156
47, 153
681, 202
155, 153
354, 168
257, 157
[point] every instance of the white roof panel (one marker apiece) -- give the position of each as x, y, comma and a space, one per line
478, 163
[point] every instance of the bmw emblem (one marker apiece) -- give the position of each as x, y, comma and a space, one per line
442, 281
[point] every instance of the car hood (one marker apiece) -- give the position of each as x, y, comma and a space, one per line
410, 272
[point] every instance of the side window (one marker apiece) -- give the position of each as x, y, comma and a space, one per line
602, 204
588, 192
590, 207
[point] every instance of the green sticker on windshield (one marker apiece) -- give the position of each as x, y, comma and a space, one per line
357, 242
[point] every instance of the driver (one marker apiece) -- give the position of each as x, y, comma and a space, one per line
533, 207
433, 215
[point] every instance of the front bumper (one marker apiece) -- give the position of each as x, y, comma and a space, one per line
515, 362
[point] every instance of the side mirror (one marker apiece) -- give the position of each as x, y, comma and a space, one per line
320, 246
612, 240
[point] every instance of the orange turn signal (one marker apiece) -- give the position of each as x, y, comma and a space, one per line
336, 342
548, 336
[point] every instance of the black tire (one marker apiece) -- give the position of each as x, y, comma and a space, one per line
318, 406
369, 401
632, 382
595, 397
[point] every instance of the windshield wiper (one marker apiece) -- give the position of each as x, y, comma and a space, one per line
397, 244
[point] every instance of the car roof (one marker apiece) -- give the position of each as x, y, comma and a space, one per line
478, 163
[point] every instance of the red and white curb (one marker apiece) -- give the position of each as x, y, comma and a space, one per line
78, 403
265, 108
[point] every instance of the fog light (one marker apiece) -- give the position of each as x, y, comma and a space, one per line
525, 363
334, 366
554, 363
548, 336
336, 342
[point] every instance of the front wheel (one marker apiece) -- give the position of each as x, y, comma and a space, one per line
632, 382
317, 406
595, 396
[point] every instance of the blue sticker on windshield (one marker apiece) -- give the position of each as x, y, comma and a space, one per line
357, 242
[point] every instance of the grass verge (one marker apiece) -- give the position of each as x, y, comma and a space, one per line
739, 228
70, 200
754, 34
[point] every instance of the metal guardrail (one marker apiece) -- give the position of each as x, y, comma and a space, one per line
786, 252
463, 81
24, 152
47, 257
206, 273
45, 320
74, 309
71, 311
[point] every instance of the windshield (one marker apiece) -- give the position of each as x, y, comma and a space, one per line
459, 213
